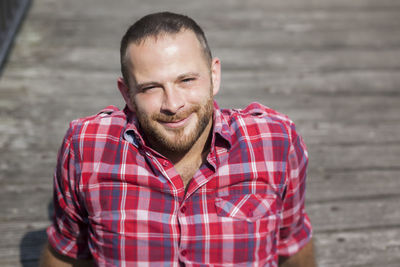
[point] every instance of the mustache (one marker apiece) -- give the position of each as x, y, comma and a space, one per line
175, 117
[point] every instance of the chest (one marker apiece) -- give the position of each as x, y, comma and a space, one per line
187, 171
140, 202
161, 223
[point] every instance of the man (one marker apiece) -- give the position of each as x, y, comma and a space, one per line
172, 179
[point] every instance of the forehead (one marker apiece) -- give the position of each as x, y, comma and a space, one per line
156, 51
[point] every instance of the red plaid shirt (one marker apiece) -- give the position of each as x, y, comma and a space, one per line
123, 204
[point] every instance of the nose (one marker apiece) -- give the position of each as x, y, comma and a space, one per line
173, 100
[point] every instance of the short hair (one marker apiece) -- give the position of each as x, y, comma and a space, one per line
154, 25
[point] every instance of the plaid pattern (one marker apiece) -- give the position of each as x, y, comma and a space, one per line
123, 204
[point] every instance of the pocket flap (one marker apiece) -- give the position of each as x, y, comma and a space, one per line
249, 207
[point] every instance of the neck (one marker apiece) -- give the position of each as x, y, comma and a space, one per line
189, 163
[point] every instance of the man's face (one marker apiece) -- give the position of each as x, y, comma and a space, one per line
171, 90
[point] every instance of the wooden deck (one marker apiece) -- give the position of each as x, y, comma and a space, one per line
332, 65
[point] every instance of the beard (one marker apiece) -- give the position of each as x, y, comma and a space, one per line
178, 140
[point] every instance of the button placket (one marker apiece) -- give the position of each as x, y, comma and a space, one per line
182, 218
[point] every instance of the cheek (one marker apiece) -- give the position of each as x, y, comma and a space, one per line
200, 94
145, 104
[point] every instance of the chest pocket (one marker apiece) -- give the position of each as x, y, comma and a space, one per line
248, 207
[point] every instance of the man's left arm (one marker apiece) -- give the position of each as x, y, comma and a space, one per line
304, 258
295, 246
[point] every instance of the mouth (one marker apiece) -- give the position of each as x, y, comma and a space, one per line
177, 123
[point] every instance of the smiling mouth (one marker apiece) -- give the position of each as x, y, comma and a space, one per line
176, 124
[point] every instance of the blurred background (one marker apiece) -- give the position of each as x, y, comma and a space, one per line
333, 66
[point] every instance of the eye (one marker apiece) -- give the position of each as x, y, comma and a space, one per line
188, 80
148, 88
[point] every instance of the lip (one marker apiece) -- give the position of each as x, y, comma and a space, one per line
177, 124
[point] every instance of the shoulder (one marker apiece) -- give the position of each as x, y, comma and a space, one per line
109, 121
257, 119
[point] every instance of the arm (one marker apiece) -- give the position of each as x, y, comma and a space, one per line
68, 233
50, 258
296, 247
303, 258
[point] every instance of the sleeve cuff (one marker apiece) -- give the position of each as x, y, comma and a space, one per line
66, 246
295, 241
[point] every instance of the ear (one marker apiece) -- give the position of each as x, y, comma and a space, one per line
216, 74
124, 90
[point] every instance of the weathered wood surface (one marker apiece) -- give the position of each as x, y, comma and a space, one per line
332, 66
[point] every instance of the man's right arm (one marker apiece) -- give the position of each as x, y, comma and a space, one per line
51, 258
68, 228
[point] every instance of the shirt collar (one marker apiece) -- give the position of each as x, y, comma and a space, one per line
131, 133
220, 127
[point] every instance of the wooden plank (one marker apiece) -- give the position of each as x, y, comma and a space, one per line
352, 215
306, 61
352, 83
211, 9
330, 133
352, 159
305, 20
24, 204
357, 186
359, 248
269, 41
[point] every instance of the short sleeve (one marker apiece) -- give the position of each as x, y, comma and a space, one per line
295, 230
68, 233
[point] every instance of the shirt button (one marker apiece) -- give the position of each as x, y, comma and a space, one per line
165, 163
183, 209
184, 252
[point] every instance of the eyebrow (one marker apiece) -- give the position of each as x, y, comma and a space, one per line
189, 74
